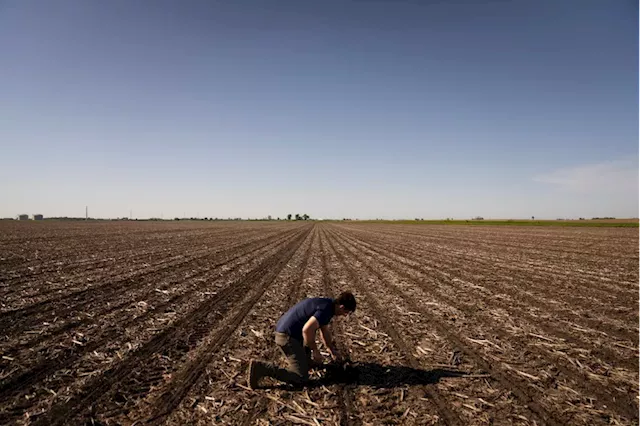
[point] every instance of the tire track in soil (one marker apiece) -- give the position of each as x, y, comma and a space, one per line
103, 253
189, 376
346, 398
138, 373
113, 307
538, 266
134, 253
261, 403
106, 250
55, 265
450, 417
216, 238
523, 394
497, 239
605, 289
21, 315
405, 259
18, 283
624, 402
47, 286
599, 350
218, 392
86, 286
17, 321
63, 360
10, 388
14, 385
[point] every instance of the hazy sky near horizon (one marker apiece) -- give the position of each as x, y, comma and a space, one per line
388, 109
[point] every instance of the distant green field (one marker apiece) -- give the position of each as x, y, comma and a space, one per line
617, 223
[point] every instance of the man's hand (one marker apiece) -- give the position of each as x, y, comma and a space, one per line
327, 338
335, 354
317, 357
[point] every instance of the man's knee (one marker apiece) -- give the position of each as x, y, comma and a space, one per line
299, 377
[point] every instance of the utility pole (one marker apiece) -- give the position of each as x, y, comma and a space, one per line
130, 214
86, 212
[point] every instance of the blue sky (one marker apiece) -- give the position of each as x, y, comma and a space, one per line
336, 109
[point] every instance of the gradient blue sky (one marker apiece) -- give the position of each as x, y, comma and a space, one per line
363, 109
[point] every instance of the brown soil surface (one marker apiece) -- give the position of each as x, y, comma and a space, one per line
154, 323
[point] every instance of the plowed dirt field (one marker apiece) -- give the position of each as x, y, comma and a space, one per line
154, 323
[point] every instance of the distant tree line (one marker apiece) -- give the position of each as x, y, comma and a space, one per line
298, 216
212, 218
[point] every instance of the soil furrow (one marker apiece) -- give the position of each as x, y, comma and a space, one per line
522, 393
623, 407
220, 385
292, 299
63, 265
512, 306
118, 385
15, 384
509, 288
490, 253
604, 399
346, 400
449, 416
123, 334
149, 296
14, 322
180, 384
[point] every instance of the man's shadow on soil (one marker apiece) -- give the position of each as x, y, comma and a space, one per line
376, 375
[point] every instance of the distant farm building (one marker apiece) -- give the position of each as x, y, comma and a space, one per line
23, 217
38, 217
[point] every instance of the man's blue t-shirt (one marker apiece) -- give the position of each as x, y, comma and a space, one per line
294, 319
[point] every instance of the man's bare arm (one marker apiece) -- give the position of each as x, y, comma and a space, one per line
309, 336
309, 333
327, 339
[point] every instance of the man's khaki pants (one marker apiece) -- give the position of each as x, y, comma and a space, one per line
298, 360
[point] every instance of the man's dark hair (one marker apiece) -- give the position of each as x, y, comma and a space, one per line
348, 300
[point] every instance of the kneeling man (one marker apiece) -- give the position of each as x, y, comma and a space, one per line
296, 338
